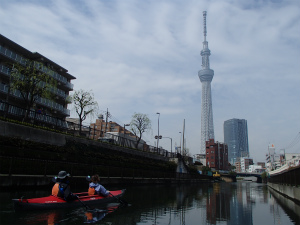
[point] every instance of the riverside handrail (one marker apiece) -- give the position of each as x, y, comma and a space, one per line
288, 177
42, 119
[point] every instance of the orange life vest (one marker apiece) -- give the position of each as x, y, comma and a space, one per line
91, 191
55, 189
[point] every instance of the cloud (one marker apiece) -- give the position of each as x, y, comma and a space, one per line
143, 56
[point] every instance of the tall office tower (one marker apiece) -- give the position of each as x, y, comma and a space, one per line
206, 76
236, 137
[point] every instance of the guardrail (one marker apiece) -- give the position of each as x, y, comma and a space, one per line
41, 119
289, 177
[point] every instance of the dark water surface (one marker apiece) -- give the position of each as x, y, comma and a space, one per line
241, 203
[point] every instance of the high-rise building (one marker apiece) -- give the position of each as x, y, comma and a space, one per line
206, 76
236, 137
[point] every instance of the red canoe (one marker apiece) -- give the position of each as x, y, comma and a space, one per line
53, 202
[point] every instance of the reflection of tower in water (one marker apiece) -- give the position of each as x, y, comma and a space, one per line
241, 205
217, 204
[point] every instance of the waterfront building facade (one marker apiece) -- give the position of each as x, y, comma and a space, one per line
50, 111
206, 75
272, 158
236, 137
216, 155
238, 166
245, 163
256, 169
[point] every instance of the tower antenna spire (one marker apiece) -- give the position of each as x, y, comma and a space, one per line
204, 25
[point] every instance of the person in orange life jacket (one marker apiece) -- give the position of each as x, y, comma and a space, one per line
62, 188
95, 188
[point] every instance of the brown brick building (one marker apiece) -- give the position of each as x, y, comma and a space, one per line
101, 126
216, 155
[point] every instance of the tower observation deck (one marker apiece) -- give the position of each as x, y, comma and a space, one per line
206, 75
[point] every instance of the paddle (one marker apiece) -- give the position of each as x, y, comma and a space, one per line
54, 179
86, 206
88, 178
121, 201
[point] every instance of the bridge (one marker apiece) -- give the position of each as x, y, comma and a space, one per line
257, 175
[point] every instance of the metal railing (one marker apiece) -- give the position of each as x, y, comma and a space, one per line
35, 117
42, 119
290, 177
43, 101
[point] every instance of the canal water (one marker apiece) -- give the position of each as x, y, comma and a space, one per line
241, 203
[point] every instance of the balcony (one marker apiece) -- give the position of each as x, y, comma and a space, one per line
14, 56
33, 115
42, 101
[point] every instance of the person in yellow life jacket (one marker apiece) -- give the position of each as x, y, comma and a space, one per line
95, 188
62, 187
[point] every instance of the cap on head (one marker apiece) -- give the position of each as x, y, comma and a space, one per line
63, 175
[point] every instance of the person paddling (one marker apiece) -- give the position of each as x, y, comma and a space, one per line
95, 188
62, 187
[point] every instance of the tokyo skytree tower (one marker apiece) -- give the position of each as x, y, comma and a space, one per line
206, 75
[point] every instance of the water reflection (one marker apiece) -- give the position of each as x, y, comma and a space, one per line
244, 203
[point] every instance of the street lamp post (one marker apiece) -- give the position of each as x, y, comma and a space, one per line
158, 130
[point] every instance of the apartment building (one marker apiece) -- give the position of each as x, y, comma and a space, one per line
245, 163
238, 166
52, 111
216, 155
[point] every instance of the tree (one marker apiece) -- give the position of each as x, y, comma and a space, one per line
138, 125
84, 105
205, 169
32, 82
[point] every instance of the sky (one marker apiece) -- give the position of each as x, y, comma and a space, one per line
142, 56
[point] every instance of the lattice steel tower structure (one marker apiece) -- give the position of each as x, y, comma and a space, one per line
206, 75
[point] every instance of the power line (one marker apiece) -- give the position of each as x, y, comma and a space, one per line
294, 142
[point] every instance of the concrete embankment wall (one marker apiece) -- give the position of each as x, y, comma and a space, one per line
31, 134
32, 181
287, 191
47, 137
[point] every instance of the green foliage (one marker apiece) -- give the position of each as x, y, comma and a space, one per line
232, 173
193, 169
264, 176
205, 169
32, 83
198, 163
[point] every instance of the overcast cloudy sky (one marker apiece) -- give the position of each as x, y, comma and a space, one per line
143, 56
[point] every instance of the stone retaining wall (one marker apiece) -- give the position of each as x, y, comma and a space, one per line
288, 191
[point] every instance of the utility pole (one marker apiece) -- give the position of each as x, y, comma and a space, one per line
107, 115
